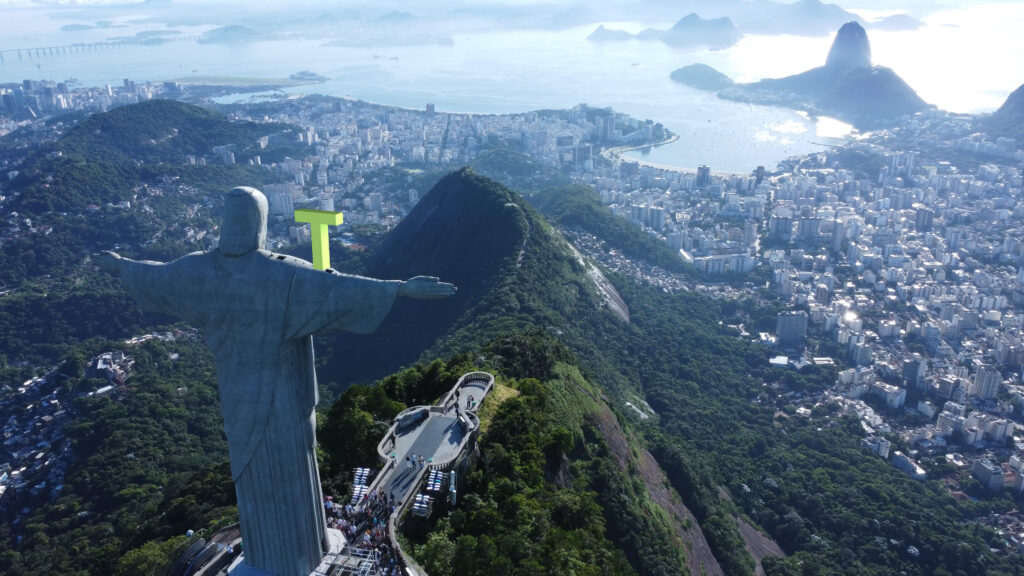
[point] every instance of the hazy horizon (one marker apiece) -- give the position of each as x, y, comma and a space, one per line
946, 61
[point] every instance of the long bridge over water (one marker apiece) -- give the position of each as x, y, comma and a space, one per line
40, 52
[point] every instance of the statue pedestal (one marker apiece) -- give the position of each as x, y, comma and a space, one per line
335, 540
335, 543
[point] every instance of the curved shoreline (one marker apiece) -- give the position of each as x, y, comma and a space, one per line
615, 153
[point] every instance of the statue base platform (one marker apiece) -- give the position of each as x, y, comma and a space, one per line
335, 544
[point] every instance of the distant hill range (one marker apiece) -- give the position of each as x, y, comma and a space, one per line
602, 34
160, 130
804, 17
847, 87
800, 18
690, 31
1008, 120
231, 35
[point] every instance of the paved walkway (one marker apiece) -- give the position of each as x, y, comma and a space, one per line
438, 439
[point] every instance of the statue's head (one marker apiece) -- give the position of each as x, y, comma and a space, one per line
244, 228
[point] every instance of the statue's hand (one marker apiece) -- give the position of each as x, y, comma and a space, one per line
426, 287
108, 261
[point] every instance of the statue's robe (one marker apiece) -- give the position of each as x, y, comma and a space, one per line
257, 313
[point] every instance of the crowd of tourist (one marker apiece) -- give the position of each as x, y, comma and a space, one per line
365, 526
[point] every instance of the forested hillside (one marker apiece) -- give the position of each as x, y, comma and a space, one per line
548, 496
579, 207
144, 463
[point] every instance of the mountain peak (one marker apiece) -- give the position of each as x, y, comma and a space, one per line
850, 50
510, 266
437, 237
1013, 107
1008, 120
847, 87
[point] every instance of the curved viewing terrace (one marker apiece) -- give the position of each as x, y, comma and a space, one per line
438, 434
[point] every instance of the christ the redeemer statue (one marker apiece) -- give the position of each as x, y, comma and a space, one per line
258, 312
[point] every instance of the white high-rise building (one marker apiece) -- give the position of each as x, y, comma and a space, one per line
986, 382
281, 202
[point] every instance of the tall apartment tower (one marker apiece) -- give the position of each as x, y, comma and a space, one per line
703, 176
986, 382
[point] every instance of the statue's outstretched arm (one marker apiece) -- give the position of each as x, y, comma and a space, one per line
115, 263
109, 261
333, 301
174, 289
426, 287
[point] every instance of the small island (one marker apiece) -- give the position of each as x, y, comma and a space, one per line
701, 77
235, 34
307, 77
897, 23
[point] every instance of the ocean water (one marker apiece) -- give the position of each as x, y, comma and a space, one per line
949, 63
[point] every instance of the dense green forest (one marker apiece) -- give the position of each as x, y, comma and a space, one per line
534, 505
161, 131
808, 483
147, 463
549, 474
